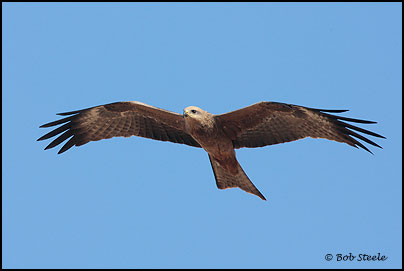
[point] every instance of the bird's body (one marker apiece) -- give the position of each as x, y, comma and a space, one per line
261, 124
202, 126
206, 130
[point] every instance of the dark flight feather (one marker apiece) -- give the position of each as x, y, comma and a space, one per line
117, 119
269, 123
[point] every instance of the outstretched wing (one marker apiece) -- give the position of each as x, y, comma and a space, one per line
268, 123
118, 119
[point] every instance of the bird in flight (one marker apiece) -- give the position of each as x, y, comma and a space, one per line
258, 125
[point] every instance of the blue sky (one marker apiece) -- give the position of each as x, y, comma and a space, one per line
135, 202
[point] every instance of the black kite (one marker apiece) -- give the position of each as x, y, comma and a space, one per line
258, 125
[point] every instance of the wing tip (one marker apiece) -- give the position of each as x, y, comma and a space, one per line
329, 110
71, 112
46, 125
62, 150
262, 197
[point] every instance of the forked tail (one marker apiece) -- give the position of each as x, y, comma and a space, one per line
225, 179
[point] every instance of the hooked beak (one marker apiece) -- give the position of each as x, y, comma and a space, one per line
185, 113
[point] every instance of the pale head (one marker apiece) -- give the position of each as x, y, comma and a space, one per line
194, 115
194, 112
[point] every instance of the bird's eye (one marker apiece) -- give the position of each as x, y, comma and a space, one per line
193, 111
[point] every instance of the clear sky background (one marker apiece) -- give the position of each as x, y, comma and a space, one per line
135, 202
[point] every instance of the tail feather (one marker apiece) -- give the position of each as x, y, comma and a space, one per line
225, 179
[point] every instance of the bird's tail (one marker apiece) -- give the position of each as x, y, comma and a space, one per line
226, 179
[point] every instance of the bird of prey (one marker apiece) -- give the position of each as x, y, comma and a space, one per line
258, 125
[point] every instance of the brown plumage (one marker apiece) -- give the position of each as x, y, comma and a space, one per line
258, 125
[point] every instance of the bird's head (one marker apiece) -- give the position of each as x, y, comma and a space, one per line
193, 112
194, 115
